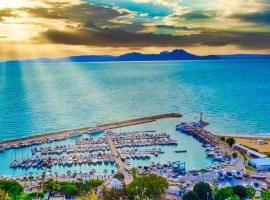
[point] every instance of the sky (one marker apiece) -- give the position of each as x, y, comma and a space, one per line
58, 28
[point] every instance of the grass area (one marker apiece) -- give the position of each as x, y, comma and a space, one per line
249, 168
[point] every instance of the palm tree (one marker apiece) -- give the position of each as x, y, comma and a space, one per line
105, 172
68, 175
56, 175
94, 172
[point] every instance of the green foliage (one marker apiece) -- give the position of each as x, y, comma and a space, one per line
120, 176
250, 192
113, 194
240, 191
265, 195
234, 197
134, 172
13, 188
147, 186
51, 185
234, 154
222, 138
230, 141
69, 189
191, 196
203, 190
90, 184
4, 195
223, 193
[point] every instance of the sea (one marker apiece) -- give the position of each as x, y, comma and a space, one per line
233, 96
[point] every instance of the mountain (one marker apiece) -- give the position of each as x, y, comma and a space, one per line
177, 54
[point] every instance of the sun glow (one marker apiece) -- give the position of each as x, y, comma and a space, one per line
17, 3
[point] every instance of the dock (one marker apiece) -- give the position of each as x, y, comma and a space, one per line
68, 133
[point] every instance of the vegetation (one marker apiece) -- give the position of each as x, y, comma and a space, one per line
70, 188
222, 138
120, 176
3, 195
13, 188
230, 141
249, 168
91, 196
240, 191
203, 191
191, 196
251, 192
147, 186
113, 194
223, 193
234, 154
265, 195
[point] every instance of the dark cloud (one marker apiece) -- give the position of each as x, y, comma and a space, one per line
6, 13
119, 38
183, 28
262, 17
199, 15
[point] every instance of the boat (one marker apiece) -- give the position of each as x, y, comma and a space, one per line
180, 151
220, 176
228, 175
237, 175
95, 130
182, 127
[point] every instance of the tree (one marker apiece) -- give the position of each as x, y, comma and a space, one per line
4, 195
69, 189
234, 197
240, 191
234, 154
147, 186
230, 141
203, 190
134, 172
51, 185
120, 176
13, 188
251, 192
91, 196
191, 196
91, 184
222, 138
265, 195
113, 194
223, 193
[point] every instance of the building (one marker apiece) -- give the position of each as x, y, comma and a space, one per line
261, 164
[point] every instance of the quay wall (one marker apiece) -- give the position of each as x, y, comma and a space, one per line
68, 133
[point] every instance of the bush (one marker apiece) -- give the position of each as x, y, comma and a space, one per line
149, 186
203, 191
68, 189
120, 176
240, 191
234, 154
222, 138
230, 141
13, 188
250, 192
191, 196
223, 193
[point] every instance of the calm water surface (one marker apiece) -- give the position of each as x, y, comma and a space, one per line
36, 98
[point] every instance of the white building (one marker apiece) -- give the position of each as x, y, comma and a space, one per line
261, 164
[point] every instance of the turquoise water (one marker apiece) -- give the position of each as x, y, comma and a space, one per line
36, 98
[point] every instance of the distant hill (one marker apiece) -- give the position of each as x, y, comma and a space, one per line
177, 54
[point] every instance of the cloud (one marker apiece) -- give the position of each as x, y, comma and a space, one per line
198, 15
262, 17
6, 12
119, 38
184, 28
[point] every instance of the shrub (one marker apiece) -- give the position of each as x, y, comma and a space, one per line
191, 196
240, 191
203, 191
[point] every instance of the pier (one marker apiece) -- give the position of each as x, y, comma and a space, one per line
39, 138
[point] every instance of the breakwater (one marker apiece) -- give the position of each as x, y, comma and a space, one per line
60, 135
